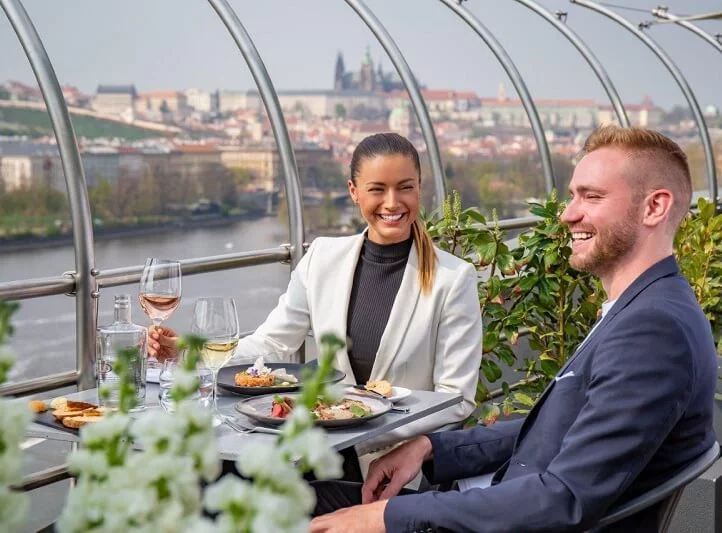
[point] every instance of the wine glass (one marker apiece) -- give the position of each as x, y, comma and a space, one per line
160, 289
216, 320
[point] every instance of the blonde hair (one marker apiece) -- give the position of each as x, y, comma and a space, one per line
393, 144
660, 163
427, 255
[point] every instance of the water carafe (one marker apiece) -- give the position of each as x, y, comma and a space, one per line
122, 333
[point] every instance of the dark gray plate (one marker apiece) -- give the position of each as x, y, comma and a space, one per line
259, 409
226, 381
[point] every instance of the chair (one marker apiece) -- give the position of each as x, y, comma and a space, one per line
667, 492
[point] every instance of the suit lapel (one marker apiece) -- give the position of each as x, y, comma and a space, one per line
663, 268
400, 317
338, 309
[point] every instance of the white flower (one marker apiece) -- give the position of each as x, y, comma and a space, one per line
14, 419
158, 432
184, 380
194, 416
94, 464
201, 525
105, 430
7, 356
286, 508
266, 462
312, 446
226, 491
13, 509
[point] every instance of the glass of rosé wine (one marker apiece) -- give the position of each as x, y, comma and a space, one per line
160, 289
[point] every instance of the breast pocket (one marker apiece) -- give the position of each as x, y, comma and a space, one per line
560, 408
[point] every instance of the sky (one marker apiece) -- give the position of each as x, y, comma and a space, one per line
178, 44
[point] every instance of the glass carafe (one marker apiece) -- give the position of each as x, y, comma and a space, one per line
122, 333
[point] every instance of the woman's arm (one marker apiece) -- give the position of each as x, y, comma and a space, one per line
287, 326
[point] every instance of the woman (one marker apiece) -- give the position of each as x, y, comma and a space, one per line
410, 311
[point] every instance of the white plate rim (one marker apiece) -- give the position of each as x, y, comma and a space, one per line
399, 393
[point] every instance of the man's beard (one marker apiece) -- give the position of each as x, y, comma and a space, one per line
611, 244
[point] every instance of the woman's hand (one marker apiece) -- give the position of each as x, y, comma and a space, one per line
162, 343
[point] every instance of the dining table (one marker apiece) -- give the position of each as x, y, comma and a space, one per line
231, 442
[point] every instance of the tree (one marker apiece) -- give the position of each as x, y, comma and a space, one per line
340, 111
4, 93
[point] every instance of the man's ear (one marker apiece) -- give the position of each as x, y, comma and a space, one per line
657, 206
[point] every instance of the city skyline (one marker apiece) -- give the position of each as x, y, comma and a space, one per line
174, 46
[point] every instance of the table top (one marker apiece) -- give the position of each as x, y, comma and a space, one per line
231, 443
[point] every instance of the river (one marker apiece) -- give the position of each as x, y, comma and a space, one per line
44, 337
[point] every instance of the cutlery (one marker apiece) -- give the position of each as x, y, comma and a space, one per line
400, 410
255, 429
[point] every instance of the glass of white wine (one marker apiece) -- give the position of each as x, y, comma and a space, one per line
160, 289
216, 319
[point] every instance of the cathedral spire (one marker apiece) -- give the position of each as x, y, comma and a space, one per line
339, 73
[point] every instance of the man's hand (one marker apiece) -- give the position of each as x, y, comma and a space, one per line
388, 474
357, 519
162, 343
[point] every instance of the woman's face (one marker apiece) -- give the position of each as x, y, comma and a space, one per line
388, 193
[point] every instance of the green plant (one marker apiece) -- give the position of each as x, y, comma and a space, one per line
528, 289
698, 246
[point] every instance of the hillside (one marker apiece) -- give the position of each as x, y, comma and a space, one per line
36, 123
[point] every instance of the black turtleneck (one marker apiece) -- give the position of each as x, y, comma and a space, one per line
376, 281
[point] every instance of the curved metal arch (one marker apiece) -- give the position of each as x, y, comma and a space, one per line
663, 13
85, 284
681, 81
588, 55
412, 87
275, 115
518, 82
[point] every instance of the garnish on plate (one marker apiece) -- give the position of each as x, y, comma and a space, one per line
259, 375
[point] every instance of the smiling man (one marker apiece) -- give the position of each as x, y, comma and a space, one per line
630, 408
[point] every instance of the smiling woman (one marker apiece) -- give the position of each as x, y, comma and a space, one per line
409, 311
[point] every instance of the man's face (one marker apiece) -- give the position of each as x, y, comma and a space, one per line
603, 214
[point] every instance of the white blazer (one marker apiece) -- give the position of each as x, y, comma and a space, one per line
431, 341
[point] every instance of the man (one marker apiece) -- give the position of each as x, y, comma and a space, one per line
630, 408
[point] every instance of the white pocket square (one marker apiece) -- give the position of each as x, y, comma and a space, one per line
569, 374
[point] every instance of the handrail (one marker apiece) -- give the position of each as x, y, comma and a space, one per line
85, 286
275, 115
41, 384
518, 81
132, 274
678, 77
588, 55
38, 287
43, 477
412, 87
663, 13
35, 288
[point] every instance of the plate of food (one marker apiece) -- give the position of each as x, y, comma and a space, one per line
264, 378
351, 410
67, 415
385, 389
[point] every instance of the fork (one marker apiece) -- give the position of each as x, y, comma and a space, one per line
243, 430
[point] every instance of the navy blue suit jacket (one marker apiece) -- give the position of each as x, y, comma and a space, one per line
634, 405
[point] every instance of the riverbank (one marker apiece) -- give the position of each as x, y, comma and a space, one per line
101, 233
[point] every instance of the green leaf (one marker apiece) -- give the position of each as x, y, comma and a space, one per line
523, 399
549, 366
505, 262
486, 253
491, 370
357, 411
